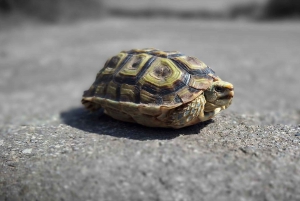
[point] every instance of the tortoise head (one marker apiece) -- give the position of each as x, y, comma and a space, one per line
218, 95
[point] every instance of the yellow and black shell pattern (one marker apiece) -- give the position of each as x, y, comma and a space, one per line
151, 77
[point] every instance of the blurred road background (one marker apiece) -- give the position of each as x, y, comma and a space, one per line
50, 148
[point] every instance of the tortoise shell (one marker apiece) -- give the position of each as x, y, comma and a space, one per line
158, 89
151, 76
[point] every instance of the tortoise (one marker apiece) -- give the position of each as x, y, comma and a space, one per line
158, 89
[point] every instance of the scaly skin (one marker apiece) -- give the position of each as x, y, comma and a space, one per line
218, 95
187, 114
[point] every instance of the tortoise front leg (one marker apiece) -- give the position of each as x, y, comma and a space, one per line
208, 115
188, 114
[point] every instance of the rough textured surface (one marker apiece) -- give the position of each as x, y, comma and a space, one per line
52, 149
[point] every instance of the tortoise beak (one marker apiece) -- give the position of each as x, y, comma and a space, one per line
228, 92
228, 86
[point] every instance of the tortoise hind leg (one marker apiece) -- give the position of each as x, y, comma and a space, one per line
89, 104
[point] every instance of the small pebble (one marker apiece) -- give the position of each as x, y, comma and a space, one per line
1, 142
297, 134
11, 163
27, 151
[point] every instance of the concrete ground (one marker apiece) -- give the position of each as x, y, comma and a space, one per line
52, 149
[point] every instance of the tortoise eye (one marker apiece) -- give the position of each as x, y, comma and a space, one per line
219, 89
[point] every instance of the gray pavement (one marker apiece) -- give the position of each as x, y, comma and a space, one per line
52, 149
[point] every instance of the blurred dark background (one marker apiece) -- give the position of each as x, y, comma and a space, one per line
62, 10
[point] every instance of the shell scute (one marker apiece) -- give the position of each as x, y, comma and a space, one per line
147, 97
200, 82
128, 93
132, 69
111, 91
187, 94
